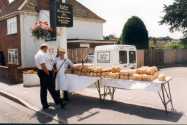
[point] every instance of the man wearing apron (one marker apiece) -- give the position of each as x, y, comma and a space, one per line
62, 64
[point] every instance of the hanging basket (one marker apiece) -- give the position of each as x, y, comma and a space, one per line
41, 30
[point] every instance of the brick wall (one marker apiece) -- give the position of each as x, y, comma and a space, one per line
3, 73
11, 74
9, 41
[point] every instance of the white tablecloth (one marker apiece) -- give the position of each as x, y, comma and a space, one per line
134, 85
78, 83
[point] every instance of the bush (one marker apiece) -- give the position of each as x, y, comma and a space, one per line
175, 45
135, 33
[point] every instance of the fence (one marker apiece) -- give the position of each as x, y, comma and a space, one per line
151, 57
163, 57
79, 54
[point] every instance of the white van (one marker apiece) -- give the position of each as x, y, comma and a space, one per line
116, 55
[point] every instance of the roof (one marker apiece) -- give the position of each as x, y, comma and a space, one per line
90, 41
80, 10
32, 5
11, 7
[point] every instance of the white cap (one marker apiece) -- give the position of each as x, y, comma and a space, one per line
43, 45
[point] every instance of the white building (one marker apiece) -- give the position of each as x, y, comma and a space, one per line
87, 26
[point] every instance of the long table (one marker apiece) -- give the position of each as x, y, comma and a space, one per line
161, 87
107, 87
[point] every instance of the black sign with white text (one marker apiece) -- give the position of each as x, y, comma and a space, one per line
64, 15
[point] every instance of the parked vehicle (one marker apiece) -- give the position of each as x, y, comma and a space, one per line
116, 55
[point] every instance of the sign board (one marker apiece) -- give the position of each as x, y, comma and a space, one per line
64, 14
103, 57
13, 56
84, 45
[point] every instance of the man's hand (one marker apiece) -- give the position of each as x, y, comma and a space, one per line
45, 69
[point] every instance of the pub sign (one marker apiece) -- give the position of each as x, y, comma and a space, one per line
64, 14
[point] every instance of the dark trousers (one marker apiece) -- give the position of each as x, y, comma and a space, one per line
46, 83
65, 93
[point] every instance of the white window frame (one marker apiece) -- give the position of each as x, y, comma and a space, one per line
13, 57
12, 27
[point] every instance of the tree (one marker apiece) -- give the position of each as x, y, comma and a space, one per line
176, 16
135, 33
110, 37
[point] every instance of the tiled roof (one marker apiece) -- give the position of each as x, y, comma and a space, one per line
32, 5
82, 11
11, 7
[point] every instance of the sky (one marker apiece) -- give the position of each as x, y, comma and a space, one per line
117, 12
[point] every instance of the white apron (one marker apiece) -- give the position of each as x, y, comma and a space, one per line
60, 78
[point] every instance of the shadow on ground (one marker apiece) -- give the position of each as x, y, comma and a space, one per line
81, 104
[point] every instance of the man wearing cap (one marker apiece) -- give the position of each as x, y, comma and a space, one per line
61, 64
45, 67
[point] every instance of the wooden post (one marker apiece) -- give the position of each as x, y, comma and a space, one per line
62, 36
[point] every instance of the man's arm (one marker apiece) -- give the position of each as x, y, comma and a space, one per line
70, 64
45, 68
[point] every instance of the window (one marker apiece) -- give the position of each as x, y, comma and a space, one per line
123, 57
12, 26
132, 56
13, 56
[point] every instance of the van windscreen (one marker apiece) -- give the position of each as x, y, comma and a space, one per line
123, 57
132, 57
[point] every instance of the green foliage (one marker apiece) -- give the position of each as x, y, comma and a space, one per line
174, 45
40, 33
110, 37
176, 16
135, 33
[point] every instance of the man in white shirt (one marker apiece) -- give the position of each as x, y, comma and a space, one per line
45, 67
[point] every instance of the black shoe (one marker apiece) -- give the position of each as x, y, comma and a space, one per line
66, 99
62, 106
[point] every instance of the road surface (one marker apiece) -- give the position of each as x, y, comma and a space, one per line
12, 112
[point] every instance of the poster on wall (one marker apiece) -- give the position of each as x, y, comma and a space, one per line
13, 57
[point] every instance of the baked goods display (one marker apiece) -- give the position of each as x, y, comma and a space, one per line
30, 72
162, 77
141, 74
146, 74
127, 74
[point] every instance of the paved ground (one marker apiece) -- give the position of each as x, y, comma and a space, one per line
130, 106
12, 112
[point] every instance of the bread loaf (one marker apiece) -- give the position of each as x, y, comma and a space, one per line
136, 77
162, 77
116, 69
124, 77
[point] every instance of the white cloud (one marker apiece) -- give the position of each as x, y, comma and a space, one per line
116, 12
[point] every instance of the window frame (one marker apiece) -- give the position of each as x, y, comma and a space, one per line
12, 26
120, 61
134, 57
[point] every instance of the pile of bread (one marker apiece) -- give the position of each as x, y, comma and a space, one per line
145, 74
30, 72
140, 74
